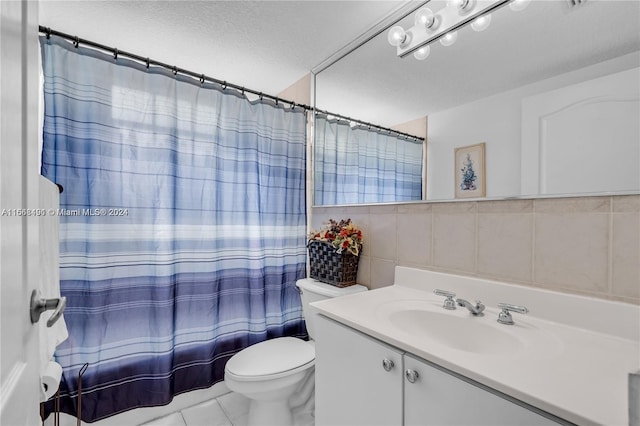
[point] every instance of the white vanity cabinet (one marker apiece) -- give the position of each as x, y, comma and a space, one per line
353, 387
436, 397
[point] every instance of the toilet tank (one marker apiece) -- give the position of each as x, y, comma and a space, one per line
312, 291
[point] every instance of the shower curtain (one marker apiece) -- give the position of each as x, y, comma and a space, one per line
358, 165
182, 226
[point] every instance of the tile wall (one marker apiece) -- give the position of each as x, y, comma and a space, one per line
582, 245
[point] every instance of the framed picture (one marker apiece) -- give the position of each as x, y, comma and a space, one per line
469, 171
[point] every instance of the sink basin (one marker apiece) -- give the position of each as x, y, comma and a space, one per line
462, 333
458, 330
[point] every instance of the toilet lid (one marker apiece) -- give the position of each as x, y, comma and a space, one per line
271, 357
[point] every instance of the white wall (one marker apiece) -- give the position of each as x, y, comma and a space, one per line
496, 120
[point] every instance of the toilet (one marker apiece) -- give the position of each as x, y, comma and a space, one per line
270, 372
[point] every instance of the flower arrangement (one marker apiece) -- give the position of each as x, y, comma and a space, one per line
343, 235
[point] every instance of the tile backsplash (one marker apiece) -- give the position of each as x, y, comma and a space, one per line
582, 245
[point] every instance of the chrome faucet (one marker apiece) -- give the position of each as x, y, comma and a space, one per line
449, 302
505, 317
474, 309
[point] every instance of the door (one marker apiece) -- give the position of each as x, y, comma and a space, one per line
358, 379
435, 397
19, 258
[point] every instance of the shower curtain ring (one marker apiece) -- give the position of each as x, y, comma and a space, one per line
48, 32
147, 63
76, 42
175, 70
202, 79
224, 85
115, 53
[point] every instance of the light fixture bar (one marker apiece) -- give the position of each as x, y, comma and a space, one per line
449, 19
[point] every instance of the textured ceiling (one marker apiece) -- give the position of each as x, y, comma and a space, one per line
546, 39
262, 45
269, 45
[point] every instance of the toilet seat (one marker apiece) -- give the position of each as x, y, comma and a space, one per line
271, 359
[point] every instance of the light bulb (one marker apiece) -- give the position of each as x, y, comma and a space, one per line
481, 23
462, 6
518, 5
397, 35
449, 38
422, 53
426, 18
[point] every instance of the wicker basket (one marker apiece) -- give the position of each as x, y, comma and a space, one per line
328, 266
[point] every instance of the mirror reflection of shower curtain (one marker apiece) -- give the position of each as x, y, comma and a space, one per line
182, 228
354, 165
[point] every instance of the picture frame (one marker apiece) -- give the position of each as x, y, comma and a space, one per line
469, 171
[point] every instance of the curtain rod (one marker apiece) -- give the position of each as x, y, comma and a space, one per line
364, 123
147, 61
202, 77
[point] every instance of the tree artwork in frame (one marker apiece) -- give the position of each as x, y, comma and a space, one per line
469, 171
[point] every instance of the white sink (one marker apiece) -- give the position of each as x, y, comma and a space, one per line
459, 330
462, 333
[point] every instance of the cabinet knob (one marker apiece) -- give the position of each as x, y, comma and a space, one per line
387, 364
411, 375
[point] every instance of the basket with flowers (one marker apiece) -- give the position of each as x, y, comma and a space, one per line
334, 253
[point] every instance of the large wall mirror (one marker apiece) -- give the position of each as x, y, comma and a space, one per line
552, 92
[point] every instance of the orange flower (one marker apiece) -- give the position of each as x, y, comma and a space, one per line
343, 235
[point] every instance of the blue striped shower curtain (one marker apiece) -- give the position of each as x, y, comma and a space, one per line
355, 165
182, 226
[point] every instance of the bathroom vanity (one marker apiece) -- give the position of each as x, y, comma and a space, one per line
396, 356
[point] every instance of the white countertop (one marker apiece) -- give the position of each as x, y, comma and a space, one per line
580, 375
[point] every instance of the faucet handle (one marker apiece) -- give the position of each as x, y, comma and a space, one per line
449, 303
505, 317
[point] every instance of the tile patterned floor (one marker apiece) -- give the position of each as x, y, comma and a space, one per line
230, 409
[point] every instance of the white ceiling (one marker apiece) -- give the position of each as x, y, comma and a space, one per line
262, 45
269, 45
546, 39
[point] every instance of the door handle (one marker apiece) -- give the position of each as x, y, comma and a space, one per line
387, 364
411, 375
39, 305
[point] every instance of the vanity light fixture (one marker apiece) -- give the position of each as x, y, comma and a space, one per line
449, 38
518, 5
422, 53
481, 23
443, 24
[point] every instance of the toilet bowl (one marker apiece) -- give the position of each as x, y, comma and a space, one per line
269, 373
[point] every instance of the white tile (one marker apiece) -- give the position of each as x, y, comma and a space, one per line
243, 420
626, 255
382, 273
571, 251
414, 238
454, 240
505, 245
174, 419
206, 414
234, 406
382, 236
303, 418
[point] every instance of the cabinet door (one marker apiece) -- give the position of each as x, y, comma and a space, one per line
352, 385
437, 397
